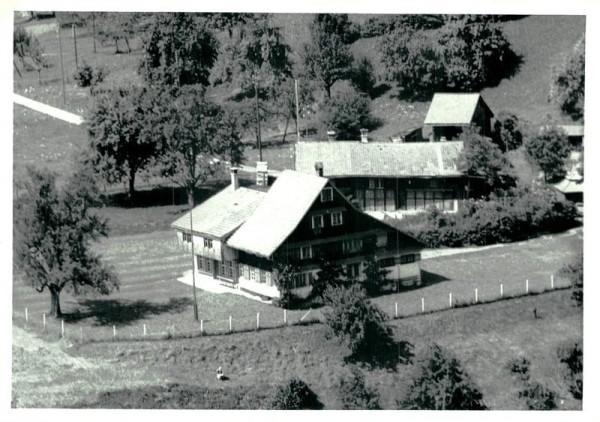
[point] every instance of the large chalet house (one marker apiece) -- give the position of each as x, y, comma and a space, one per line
449, 114
394, 178
241, 234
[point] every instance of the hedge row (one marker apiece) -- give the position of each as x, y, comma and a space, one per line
517, 214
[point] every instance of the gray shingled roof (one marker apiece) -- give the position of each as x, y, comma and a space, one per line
222, 213
376, 159
282, 209
452, 109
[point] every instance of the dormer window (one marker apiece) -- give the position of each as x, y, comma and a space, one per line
327, 195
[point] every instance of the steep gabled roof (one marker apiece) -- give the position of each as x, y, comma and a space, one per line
378, 159
222, 213
453, 108
282, 209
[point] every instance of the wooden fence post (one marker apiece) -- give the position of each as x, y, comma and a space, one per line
396, 309
422, 304
230, 324
26, 315
114, 332
201, 326
527, 286
44, 320
450, 299
552, 281
62, 328
476, 295
285, 316
258, 320
501, 290
144, 330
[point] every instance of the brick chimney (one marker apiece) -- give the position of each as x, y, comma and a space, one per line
331, 135
235, 182
262, 173
319, 168
364, 136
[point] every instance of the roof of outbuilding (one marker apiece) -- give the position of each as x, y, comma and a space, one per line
378, 159
282, 209
222, 213
572, 130
452, 108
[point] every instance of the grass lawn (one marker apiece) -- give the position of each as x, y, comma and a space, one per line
483, 338
149, 264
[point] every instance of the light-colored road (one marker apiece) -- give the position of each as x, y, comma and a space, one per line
49, 110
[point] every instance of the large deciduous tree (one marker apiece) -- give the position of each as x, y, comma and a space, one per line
346, 113
568, 85
119, 127
117, 26
549, 150
480, 157
180, 49
25, 45
327, 57
466, 53
190, 138
53, 230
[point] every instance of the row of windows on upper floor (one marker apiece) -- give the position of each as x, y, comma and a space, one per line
208, 243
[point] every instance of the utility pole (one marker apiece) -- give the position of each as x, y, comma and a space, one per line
193, 264
257, 119
75, 42
297, 111
62, 71
94, 30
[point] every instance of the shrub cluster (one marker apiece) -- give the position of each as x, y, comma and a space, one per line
442, 384
574, 273
572, 357
354, 394
87, 76
295, 395
536, 395
514, 215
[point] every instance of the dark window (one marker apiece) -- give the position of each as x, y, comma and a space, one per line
327, 195
336, 218
187, 237
387, 262
208, 243
317, 221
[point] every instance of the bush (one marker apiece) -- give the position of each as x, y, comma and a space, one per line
442, 384
538, 397
87, 76
284, 277
508, 132
346, 113
354, 394
362, 76
295, 395
359, 324
375, 277
520, 367
572, 357
568, 85
549, 150
574, 273
380, 25
514, 215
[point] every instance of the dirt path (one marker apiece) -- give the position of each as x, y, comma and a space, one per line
49, 110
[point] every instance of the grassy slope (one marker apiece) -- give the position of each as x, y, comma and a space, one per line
483, 343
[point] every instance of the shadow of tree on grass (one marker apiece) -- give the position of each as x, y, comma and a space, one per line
123, 312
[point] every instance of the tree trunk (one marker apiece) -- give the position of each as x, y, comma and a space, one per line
116, 46
128, 48
287, 122
190, 193
55, 302
328, 91
131, 191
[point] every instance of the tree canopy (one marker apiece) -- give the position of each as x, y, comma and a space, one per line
549, 149
189, 138
25, 45
117, 26
346, 113
480, 157
119, 127
568, 85
465, 54
179, 49
53, 230
327, 57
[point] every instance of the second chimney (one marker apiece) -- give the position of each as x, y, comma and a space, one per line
331, 135
235, 182
364, 135
319, 168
